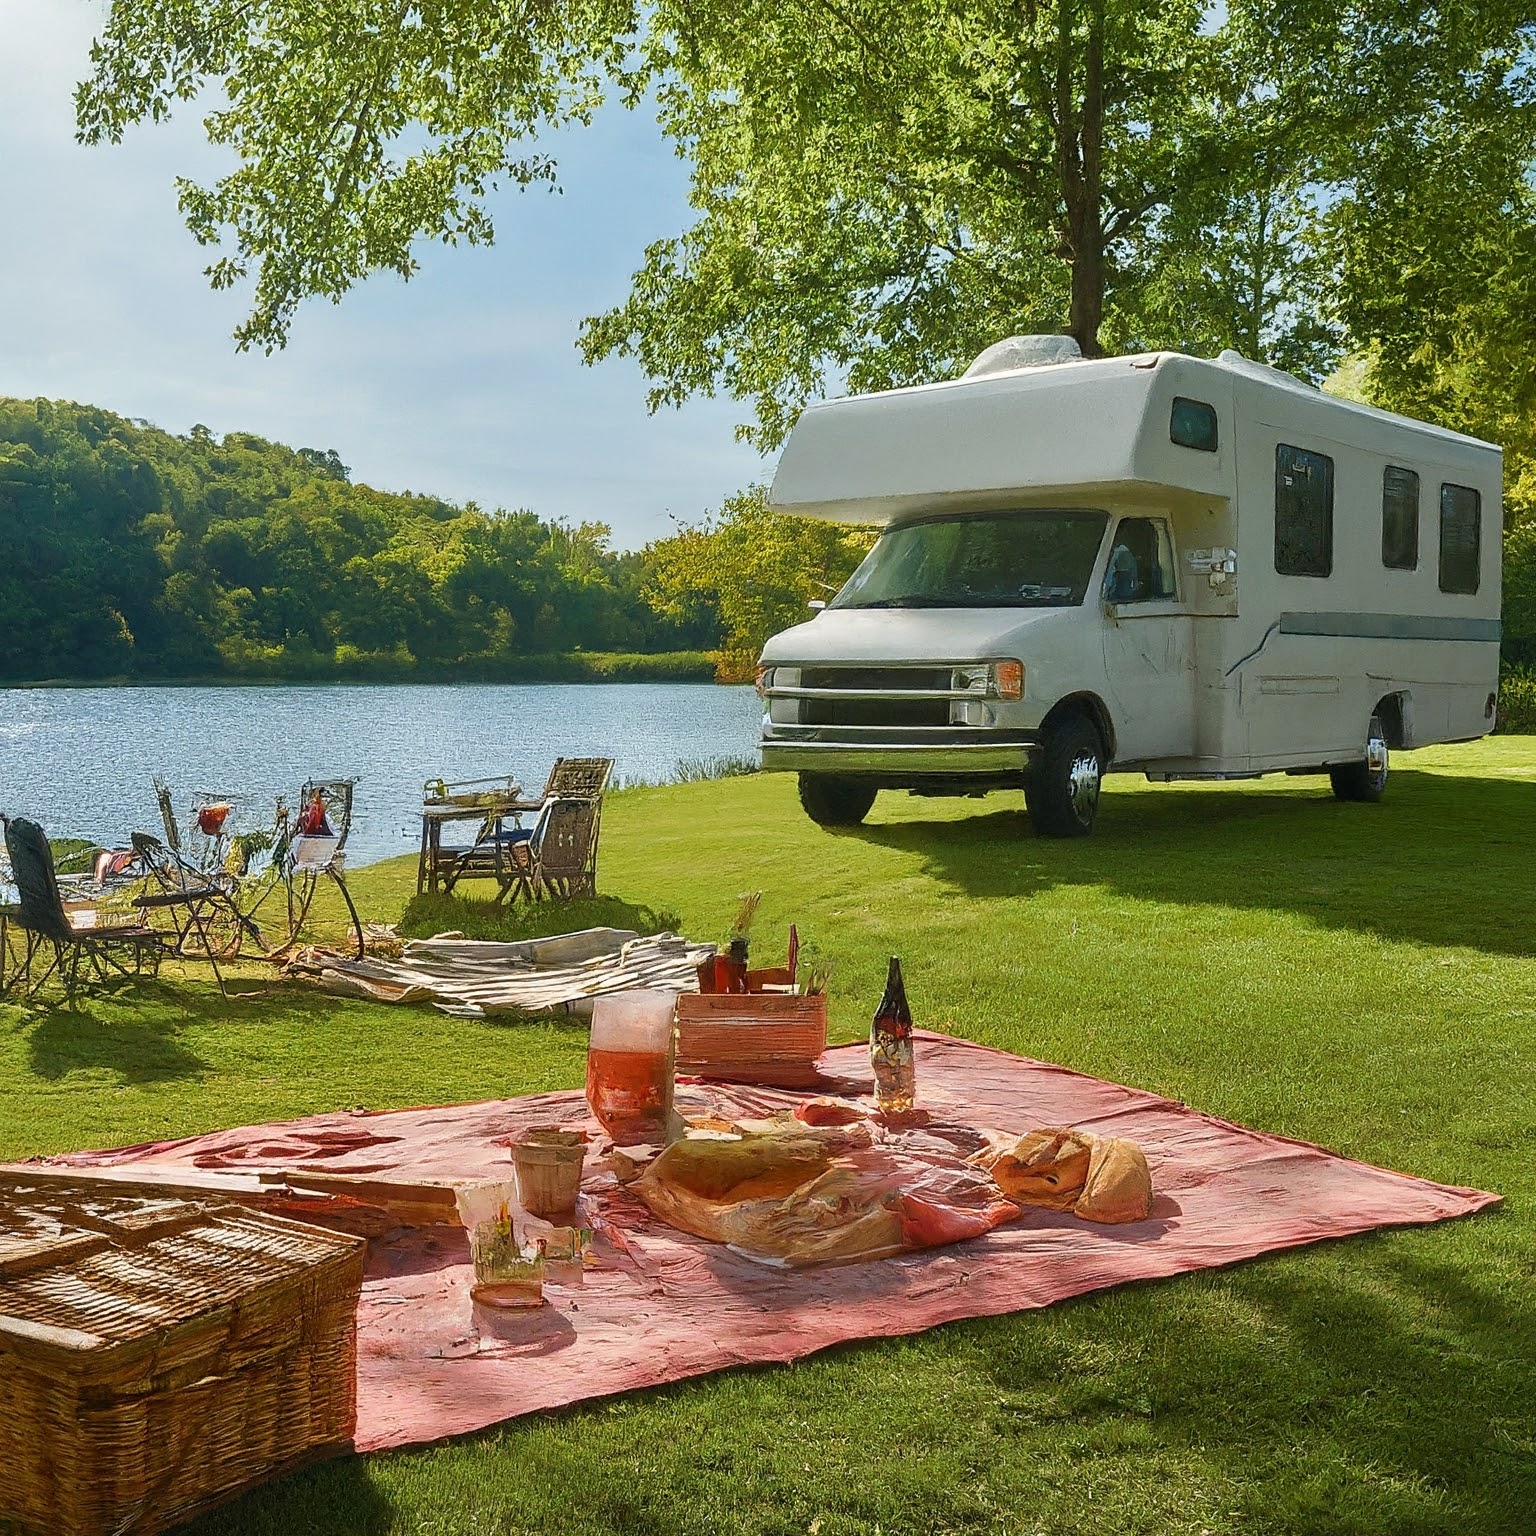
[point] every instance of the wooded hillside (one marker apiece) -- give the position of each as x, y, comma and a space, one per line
127, 551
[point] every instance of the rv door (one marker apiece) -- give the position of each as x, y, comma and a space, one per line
1147, 644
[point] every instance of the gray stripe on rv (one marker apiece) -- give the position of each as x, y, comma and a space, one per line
1388, 626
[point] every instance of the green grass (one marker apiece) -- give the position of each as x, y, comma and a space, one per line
1358, 976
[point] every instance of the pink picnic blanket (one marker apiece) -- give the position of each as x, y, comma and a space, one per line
659, 1305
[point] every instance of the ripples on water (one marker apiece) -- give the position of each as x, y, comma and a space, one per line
80, 760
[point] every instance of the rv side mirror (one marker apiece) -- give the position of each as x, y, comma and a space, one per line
816, 604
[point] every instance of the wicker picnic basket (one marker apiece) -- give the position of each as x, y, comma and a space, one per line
159, 1354
752, 1037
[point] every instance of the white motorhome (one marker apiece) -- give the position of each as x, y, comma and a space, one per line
1182, 567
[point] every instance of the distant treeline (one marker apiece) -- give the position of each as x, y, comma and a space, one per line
126, 551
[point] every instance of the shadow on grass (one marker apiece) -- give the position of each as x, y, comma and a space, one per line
1442, 860
334, 1496
140, 1044
426, 915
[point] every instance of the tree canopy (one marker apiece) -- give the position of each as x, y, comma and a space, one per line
884, 186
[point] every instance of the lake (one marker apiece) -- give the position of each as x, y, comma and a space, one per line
80, 760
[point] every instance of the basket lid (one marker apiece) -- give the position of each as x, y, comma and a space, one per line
86, 1265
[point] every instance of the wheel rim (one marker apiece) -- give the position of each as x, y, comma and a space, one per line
1376, 757
1083, 786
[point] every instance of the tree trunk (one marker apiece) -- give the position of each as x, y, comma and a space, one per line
1079, 141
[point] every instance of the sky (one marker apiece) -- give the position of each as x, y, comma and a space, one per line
463, 383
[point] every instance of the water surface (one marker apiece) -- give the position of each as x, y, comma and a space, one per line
80, 760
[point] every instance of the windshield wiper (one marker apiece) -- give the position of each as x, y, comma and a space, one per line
915, 601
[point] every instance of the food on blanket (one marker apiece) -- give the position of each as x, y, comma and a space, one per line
890, 1046
626, 1164
782, 1198
710, 1121
949, 1204
1100, 1178
824, 1111
717, 1168
1045, 1168
1119, 1183
832, 1139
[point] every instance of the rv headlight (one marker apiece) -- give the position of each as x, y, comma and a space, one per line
990, 680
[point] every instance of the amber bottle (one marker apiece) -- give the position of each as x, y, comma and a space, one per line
890, 1046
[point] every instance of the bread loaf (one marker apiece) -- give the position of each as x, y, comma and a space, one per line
1119, 1183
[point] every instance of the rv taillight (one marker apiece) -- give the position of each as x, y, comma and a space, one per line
1010, 679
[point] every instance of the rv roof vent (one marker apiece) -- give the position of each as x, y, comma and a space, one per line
1263, 371
1024, 352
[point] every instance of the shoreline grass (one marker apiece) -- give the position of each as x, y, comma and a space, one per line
1363, 977
561, 667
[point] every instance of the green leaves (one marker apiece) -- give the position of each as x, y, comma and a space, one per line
882, 187
357, 128
755, 568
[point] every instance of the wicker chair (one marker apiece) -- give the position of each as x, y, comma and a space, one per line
122, 949
560, 858
584, 778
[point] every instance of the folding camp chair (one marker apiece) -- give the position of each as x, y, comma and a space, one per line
50, 943
201, 914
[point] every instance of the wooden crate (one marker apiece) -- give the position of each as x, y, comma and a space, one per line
160, 1354
752, 1037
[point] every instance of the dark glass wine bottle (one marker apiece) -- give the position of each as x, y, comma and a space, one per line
890, 1046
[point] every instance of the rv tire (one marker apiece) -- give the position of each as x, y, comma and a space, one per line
1061, 790
1365, 780
835, 802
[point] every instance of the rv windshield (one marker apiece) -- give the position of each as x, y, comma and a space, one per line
1011, 559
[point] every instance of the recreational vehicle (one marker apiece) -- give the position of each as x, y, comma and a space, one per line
1186, 568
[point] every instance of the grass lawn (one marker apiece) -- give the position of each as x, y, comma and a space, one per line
1358, 976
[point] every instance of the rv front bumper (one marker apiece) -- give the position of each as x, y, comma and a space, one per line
900, 759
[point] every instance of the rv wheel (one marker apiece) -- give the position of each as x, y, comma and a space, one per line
1367, 779
833, 802
1062, 788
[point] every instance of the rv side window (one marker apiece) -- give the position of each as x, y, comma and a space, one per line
1399, 518
1193, 424
1141, 567
1303, 512
1461, 519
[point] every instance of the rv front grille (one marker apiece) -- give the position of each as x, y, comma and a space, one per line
877, 679
874, 711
